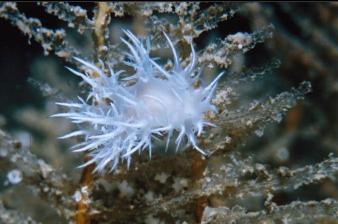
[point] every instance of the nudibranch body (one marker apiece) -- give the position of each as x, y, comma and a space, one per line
125, 118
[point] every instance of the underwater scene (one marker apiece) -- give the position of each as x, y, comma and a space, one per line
168, 112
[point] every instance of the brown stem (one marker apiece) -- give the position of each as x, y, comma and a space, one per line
101, 21
82, 207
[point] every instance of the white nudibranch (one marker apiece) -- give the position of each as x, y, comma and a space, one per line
160, 103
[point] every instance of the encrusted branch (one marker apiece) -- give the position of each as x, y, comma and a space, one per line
296, 212
75, 16
51, 185
9, 216
235, 169
50, 40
